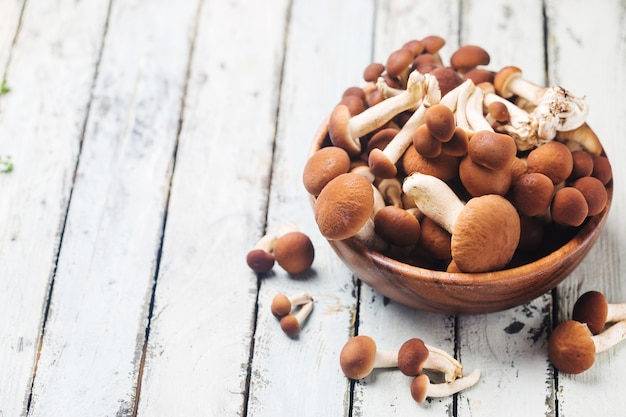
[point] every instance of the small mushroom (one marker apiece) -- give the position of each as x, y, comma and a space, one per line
397, 226
260, 259
468, 57
283, 304
435, 240
594, 192
345, 129
553, 159
572, 347
439, 120
532, 194
422, 388
485, 231
414, 356
582, 164
323, 166
291, 324
360, 356
294, 252
445, 167
569, 207
592, 309
602, 169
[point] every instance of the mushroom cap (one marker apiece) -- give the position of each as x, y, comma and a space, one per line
339, 130
398, 62
357, 357
458, 144
444, 167
260, 260
486, 234
468, 57
419, 388
602, 169
440, 122
435, 239
503, 78
354, 103
582, 164
570, 348
553, 159
294, 252
491, 149
281, 305
381, 165
448, 79
499, 111
569, 207
594, 192
479, 180
397, 226
381, 138
532, 194
433, 43
373, 71
479, 75
323, 166
344, 206
592, 309
415, 46
411, 357
290, 324
425, 143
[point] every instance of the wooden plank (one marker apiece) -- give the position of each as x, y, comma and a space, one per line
387, 392
41, 124
9, 23
509, 346
328, 47
601, 46
94, 335
201, 329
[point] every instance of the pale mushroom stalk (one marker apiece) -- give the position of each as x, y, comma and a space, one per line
616, 312
391, 190
452, 97
450, 388
610, 337
474, 111
282, 304
381, 162
461, 105
375, 116
291, 324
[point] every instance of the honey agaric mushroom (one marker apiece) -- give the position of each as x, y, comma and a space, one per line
479, 180
373, 71
492, 150
571, 111
323, 166
594, 192
397, 226
260, 259
572, 347
602, 169
485, 231
569, 207
425, 143
282, 304
291, 324
582, 164
345, 130
422, 388
444, 166
448, 79
468, 57
592, 309
414, 356
382, 163
344, 206
294, 251
457, 145
439, 120
553, 159
532, 194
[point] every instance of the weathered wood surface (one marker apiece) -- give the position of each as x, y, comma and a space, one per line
151, 151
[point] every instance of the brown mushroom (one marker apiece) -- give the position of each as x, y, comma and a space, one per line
602, 169
594, 192
592, 309
582, 164
532, 194
435, 240
260, 259
439, 120
282, 304
323, 166
485, 231
294, 252
397, 226
468, 57
553, 159
569, 207
360, 356
422, 388
425, 143
291, 324
414, 356
572, 347
479, 180
444, 166
373, 71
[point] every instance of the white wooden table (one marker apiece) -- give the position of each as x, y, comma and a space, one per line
155, 141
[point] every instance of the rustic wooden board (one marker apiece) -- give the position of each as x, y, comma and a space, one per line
509, 346
572, 38
204, 308
51, 72
94, 335
328, 45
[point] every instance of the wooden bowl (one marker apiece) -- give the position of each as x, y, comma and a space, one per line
465, 293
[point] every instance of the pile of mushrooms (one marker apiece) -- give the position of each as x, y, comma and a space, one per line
458, 167
360, 356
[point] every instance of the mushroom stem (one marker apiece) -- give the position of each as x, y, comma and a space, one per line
450, 388
474, 111
434, 198
610, 337
283, 304
292, 323
446, 360
461, 105
616, 312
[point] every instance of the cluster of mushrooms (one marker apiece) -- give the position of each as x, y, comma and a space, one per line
457, 168
360, 356
292, 311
